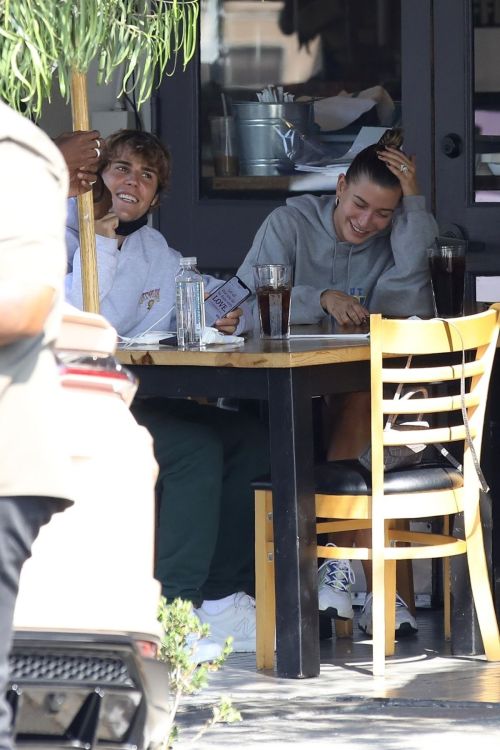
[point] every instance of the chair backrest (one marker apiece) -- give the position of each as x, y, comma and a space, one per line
458, 352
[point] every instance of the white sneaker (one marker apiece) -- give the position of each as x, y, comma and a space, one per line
405, 622
237, 620
202, 649
334, 588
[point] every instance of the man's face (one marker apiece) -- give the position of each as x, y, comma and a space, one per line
364, 209
133, 185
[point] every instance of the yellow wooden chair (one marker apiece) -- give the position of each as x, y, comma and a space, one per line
349, 497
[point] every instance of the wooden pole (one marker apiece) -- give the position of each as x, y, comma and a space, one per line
90, 284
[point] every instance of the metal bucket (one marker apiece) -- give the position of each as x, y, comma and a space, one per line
258, 126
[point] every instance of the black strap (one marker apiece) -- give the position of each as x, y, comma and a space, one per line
468, 438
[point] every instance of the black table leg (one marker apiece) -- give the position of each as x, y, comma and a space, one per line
290, 418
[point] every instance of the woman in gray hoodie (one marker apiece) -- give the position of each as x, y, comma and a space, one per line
363, 250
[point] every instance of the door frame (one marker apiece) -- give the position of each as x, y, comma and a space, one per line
454, 113
219, 231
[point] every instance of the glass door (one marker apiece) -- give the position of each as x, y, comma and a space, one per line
286, 85
467, 122
373, 70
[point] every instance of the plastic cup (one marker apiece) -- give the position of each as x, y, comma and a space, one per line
224, 149
273, 286
447, 268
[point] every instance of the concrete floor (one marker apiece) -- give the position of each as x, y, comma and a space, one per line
427, 697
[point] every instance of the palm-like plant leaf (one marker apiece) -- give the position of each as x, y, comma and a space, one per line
41, 37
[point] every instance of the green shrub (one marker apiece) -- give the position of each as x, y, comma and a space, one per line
181, 632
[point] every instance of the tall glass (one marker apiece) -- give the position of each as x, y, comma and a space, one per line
273, 285
224, 146
447, 268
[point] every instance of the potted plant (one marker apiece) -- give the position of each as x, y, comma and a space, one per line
41, 38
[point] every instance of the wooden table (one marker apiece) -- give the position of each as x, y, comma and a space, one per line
287, 374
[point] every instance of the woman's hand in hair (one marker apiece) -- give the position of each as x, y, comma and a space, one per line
343, 308
403, 167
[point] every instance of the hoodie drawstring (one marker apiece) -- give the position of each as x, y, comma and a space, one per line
348, 285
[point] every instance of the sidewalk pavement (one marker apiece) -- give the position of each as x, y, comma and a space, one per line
428, 698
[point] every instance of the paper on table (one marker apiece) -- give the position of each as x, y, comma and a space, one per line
335, 336
151, 337
366, 137
213, 336
487, 288
385, 103
322, 179
210, 336
335, 112
332, 170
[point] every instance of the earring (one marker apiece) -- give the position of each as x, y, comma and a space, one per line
337, 201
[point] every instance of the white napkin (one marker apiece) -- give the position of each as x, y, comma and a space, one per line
213, 336
148, 337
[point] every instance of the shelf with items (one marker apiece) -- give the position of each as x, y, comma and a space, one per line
256, 56
241, 185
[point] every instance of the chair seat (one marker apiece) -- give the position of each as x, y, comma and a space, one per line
351, 478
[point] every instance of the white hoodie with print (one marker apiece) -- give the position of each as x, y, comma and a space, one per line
136, 282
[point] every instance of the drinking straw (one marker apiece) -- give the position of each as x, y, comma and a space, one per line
224, 103
226, 124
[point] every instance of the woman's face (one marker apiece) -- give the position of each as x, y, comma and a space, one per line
133, 185
364, 209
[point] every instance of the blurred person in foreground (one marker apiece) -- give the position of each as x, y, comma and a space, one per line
34, 461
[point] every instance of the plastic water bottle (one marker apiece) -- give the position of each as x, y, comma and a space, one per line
190, 305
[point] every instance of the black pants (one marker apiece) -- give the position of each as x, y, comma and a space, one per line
207, 457
20, 522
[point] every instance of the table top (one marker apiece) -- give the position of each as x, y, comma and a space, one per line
255, 352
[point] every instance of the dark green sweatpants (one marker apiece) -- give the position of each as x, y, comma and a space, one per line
207, 457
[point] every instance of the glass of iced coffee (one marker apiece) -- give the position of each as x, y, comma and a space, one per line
224, 146
273, 285
447, 268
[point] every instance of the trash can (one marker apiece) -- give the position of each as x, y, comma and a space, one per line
260, 127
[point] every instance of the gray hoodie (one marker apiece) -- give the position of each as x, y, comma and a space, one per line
390, 269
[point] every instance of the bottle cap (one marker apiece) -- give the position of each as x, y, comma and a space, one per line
188, 262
